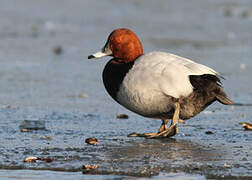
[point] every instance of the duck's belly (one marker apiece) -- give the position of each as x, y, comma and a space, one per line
145, 101
153, 103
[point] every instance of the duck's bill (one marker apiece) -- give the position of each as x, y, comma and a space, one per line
98, 55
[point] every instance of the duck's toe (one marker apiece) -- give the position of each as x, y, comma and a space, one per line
171, 131
142, 134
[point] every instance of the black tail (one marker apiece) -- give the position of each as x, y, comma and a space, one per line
210, 85
224, 99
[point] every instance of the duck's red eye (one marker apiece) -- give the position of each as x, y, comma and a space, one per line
118, 39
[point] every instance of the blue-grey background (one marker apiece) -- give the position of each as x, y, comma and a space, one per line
38, 85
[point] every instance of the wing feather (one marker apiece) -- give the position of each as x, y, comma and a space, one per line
172, 72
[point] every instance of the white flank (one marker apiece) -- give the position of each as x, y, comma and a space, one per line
155, 76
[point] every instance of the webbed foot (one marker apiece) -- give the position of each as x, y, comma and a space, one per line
163, 132
171, 131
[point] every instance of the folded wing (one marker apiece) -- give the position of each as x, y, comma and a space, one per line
172, 73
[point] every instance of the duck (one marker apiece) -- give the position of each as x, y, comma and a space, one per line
156, 84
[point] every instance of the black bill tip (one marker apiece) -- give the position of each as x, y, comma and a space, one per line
91, 57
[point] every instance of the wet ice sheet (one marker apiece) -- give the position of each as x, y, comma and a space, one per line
225, 152
31, 174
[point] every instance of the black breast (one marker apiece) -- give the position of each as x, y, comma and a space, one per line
113, 75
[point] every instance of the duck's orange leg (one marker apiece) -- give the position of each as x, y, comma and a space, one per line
163, 132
